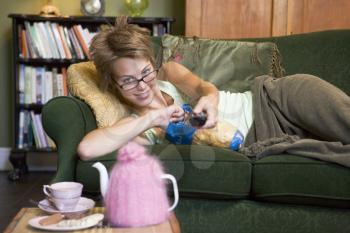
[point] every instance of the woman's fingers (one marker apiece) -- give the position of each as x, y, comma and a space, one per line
200, 106
211, 121
177, 113
162, 117
205, 105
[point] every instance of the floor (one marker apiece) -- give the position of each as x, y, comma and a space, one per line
16, 195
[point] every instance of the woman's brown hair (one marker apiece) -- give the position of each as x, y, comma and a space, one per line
122, 40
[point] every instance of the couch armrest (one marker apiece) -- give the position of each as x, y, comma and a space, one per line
66, 120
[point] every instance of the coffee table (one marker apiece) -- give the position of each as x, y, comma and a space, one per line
19, 224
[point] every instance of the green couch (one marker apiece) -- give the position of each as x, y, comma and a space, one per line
224, 191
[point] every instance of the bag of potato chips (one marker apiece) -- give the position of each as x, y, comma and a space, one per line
224, 134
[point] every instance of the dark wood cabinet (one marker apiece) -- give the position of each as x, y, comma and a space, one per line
263, 18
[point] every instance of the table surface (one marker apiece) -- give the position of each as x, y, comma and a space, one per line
20, 224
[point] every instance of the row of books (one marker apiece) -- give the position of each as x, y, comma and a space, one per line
50, 40
31, 132
37, 85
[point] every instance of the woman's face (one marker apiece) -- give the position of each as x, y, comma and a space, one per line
128, 73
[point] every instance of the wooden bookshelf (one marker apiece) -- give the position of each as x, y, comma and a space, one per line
43, 48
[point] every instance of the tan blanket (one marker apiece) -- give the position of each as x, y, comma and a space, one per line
302, 115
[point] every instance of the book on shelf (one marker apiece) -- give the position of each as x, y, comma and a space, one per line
54, 82
27, 85
48, 86
20, 139
37, 85
21, 83
21, 46
64, 79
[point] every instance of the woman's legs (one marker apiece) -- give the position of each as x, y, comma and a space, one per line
312, 104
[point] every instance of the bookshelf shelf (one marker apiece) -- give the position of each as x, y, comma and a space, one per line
35, 107
43, 49
34, 150
48, 62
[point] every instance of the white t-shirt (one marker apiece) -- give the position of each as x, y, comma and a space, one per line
237, 108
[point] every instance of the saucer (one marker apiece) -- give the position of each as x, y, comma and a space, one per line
34, 222
84, 204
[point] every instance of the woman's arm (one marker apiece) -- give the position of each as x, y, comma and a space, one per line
204, 93
105, 140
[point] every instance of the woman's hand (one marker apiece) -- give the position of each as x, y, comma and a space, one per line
195, 88
162, 117
209, 105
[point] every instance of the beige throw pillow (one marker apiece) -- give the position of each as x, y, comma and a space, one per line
82, 82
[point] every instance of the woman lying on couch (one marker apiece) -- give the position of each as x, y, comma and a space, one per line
277, 115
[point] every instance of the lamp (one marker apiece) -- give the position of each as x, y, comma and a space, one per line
49, 10
136, 7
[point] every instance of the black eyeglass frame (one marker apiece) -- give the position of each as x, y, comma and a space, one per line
138, 80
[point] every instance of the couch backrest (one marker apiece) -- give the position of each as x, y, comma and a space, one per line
325, 54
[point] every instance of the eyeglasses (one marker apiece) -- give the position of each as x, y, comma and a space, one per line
132, 82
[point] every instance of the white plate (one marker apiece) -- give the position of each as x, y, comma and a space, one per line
83, 206
34, 222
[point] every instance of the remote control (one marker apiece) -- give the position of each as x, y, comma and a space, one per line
198, 120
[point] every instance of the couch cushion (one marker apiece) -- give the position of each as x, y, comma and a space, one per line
239, 62
295, 179
206, 171
201, 171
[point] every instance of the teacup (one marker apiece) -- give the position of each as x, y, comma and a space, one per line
64, 204
63, 190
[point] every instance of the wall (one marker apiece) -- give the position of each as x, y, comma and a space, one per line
165, 8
